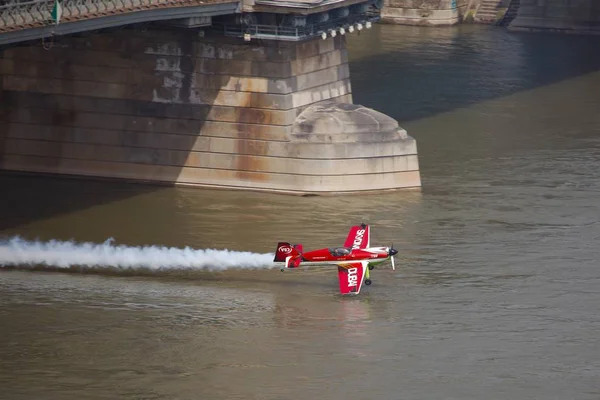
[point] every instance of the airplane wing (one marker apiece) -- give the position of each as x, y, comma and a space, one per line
358, 237
351, 276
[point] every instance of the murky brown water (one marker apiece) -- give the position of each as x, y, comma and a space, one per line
497, 293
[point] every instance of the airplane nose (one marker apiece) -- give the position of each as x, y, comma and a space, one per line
393, 252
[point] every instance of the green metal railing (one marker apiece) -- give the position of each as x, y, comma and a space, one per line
16, 15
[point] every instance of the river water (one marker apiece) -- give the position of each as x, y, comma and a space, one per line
496, 294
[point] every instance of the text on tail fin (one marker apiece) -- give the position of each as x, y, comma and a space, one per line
285, 250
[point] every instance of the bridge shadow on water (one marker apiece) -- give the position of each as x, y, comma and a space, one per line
411, 73
27, 198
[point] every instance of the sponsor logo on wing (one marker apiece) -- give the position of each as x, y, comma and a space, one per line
358, 238
284, 249
352, 277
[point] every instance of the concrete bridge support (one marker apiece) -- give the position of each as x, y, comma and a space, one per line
169, 106
423, 12
567, 16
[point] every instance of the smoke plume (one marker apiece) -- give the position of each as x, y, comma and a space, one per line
65, 254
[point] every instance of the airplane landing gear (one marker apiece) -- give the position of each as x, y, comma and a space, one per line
368, 282
371, 267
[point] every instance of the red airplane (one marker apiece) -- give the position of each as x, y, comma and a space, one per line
354, 259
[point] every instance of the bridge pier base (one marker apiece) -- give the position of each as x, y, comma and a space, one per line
170, 107
423, 13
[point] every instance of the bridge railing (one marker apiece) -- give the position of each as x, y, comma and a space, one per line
279, 32
16, 14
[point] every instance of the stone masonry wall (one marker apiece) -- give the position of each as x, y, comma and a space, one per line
576, 16
167, 106
423, 12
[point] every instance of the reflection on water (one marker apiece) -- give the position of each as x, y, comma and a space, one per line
495, 295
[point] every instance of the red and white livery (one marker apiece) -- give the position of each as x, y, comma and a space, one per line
354, 260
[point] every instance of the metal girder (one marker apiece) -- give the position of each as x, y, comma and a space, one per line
299, 7
191, 22
297, 34
121, 19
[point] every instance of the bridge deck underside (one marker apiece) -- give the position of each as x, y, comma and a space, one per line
300, 6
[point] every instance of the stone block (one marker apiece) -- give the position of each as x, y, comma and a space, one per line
318, 62
131, 108
321, 77
271, 85
422, 12
320, 93
66, 87
167, 106
66, 55
234, 161
121, 123
211, 177
37, 70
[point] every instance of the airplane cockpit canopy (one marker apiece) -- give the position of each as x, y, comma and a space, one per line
340, 251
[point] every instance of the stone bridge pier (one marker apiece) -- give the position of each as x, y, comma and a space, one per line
168, 105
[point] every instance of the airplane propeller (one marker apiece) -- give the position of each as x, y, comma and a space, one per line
392, 253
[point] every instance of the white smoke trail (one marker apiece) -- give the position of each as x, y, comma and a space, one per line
64, 254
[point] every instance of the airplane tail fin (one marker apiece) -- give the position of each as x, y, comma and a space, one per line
290, 255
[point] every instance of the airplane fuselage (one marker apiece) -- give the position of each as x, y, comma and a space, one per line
328, 256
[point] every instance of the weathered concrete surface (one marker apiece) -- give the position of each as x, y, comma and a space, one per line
567, 16
169, 107
491, 11
333, 122
423, 12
